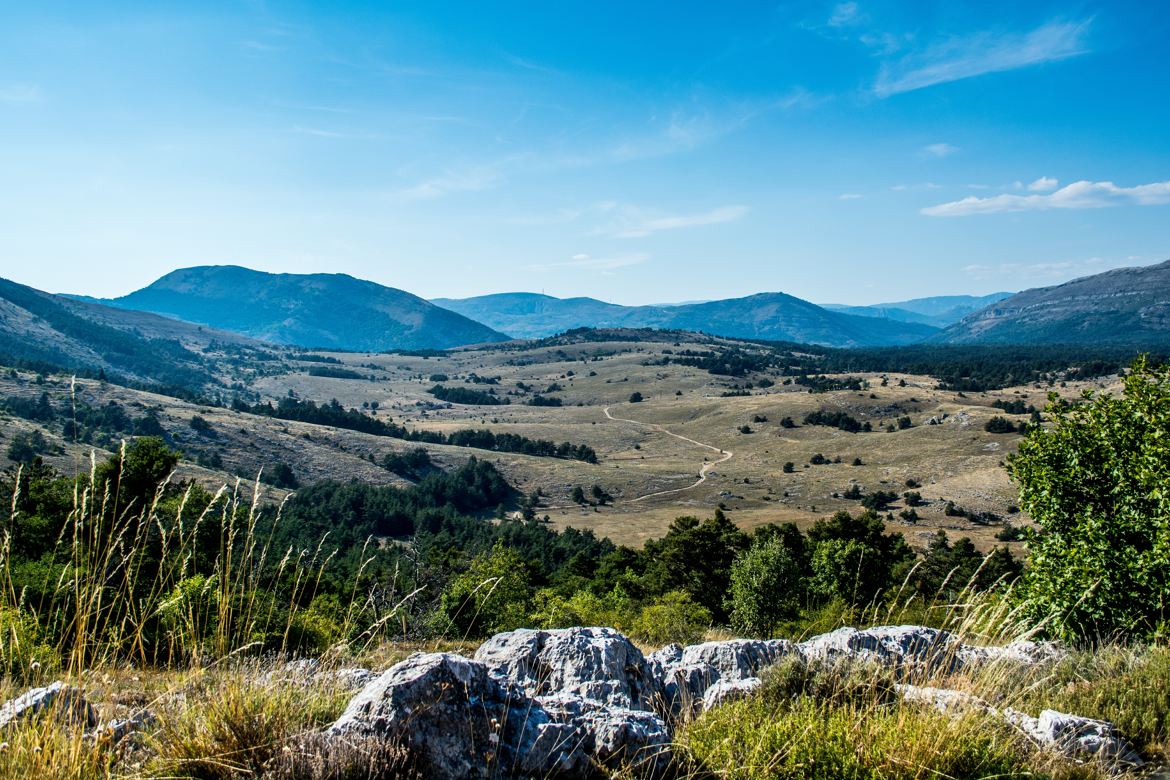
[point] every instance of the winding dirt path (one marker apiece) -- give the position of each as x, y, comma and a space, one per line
707, 465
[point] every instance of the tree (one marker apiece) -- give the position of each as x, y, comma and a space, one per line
767, 586
635, 397
1096, 483
491, 596
138, 470
998, 424
578, 495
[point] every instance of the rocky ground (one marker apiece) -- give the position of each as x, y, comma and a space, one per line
585, 702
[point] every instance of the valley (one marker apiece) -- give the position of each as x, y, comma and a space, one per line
696, 442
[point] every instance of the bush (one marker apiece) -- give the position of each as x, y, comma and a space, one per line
1095, 484
674, 617
636, 398
767, 585
999, 424
490, 597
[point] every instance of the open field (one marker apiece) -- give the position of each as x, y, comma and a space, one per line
650, 453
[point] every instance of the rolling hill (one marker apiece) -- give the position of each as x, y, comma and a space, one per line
312, 310
772, 316
1123, 306
43, 331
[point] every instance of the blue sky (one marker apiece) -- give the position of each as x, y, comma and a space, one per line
847, 152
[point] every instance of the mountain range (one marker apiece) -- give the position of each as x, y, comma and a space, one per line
191, 306
772, 316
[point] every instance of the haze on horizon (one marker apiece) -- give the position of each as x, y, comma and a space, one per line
847, 152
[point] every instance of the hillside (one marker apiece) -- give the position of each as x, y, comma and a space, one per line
939, 310
1126, 305
771, 316
313, 310
52, 332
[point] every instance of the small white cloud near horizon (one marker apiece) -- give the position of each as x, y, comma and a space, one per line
590, 263
977, 55
1044, 184
939, 150
1078, 195
850, 196
647, 227
21, 95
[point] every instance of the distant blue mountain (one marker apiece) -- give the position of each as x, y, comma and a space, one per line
772, 316
938, 311
311, 310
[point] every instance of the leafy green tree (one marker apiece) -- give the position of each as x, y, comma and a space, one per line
136, 473
767, 587
493, 595
1097, 483
695, 556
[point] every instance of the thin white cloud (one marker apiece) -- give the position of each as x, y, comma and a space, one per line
844, 14
1053, 272
589, 263
646, 227
472, 180
1078, 195
976, 55
319, 132
939, 150
21, 94
1044, 184
850, 196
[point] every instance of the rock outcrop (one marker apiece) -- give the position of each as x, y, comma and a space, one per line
64, 702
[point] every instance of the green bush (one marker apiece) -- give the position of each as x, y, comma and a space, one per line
490, 597
767, 585
674, 617
1096, 482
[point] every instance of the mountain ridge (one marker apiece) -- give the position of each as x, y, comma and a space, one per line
310, 310
1123, 305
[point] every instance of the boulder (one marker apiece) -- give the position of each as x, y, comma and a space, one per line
906, 648
945, 700
1023, 653
738, 659
460, 722
1076, 737
65, 703
730, 690
594, 663
614, 736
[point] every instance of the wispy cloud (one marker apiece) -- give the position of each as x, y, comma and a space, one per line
939, 150
590, 263
21, 94
1078, 195
474, 179
339, 134
850, 196
976, 55
1044, 184
845, 14
633, 226
1054, 271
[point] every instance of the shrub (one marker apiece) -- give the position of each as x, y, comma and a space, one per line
636, 397
1095, 485
674, 617
767, 586
490, 597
